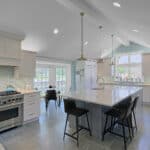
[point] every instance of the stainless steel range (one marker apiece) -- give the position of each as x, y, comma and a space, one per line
11, 109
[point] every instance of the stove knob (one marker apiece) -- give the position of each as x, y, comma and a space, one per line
4, 102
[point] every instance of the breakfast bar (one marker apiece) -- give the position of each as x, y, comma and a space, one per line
97, 101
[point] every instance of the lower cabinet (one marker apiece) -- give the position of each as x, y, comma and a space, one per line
31, 106
146, 94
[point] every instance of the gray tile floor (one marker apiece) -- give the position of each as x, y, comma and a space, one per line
47, 133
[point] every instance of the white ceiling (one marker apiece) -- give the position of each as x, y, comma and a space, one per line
37, 19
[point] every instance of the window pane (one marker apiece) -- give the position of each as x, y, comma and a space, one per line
129, 67
41, 80
123, 59
61, 78
136, 58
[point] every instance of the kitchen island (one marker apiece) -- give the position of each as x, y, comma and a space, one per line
99, 100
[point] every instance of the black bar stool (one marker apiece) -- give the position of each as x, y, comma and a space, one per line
71, 109
120, 114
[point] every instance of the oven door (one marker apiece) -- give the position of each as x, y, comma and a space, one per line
11, 116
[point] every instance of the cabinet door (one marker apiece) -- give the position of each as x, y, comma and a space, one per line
2, 47
146, 94
104, 69
31, 106
12, 48
145, 66
28, 63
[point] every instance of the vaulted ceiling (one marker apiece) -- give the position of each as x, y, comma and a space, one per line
36, 19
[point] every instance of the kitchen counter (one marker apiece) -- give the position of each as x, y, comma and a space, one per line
28, 91
108, 96
139, 84
100, 100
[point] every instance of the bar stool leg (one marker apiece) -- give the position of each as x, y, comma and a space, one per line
77, 123
124, 137
129, 128
135, 120
65, 126
105, 126
131, 124
88, 124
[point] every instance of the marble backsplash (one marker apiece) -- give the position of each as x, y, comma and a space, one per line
18, 84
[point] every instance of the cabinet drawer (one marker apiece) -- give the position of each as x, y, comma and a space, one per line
33, 108
31, 103
31, 97
30, 116
31, 112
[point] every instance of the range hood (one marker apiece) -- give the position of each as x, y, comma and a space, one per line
9, 62
10, 49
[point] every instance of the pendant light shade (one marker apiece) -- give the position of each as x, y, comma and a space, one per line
100, 60
82, 58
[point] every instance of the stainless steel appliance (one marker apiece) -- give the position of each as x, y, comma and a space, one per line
11, 109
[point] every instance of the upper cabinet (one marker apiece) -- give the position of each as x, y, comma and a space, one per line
2, 47
10, 49
27, 65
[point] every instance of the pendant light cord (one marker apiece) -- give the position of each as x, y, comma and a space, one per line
112, 45
82, 32
100, 27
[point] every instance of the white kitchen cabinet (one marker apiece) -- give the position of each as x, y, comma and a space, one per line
104, 68
146, 94
145, 66
2, 45
146, 75
27, 66
12, 48
31, 106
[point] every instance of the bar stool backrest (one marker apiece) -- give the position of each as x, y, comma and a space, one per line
135, 103
123, 104
127, 110
51, 95
69, 105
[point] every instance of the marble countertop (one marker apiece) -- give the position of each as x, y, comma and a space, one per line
28, 91
141, 84
108, 96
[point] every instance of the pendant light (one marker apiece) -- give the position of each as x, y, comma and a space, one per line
100, 60
82, 58
112, 55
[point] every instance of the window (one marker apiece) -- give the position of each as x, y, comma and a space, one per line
61, 78
135, 58
41, 81
129, 67
123, 60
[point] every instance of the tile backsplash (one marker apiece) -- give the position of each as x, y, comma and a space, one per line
7, 78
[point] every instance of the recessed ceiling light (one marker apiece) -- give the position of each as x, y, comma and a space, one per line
116, 4
55, 31
86, 43
135, 30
